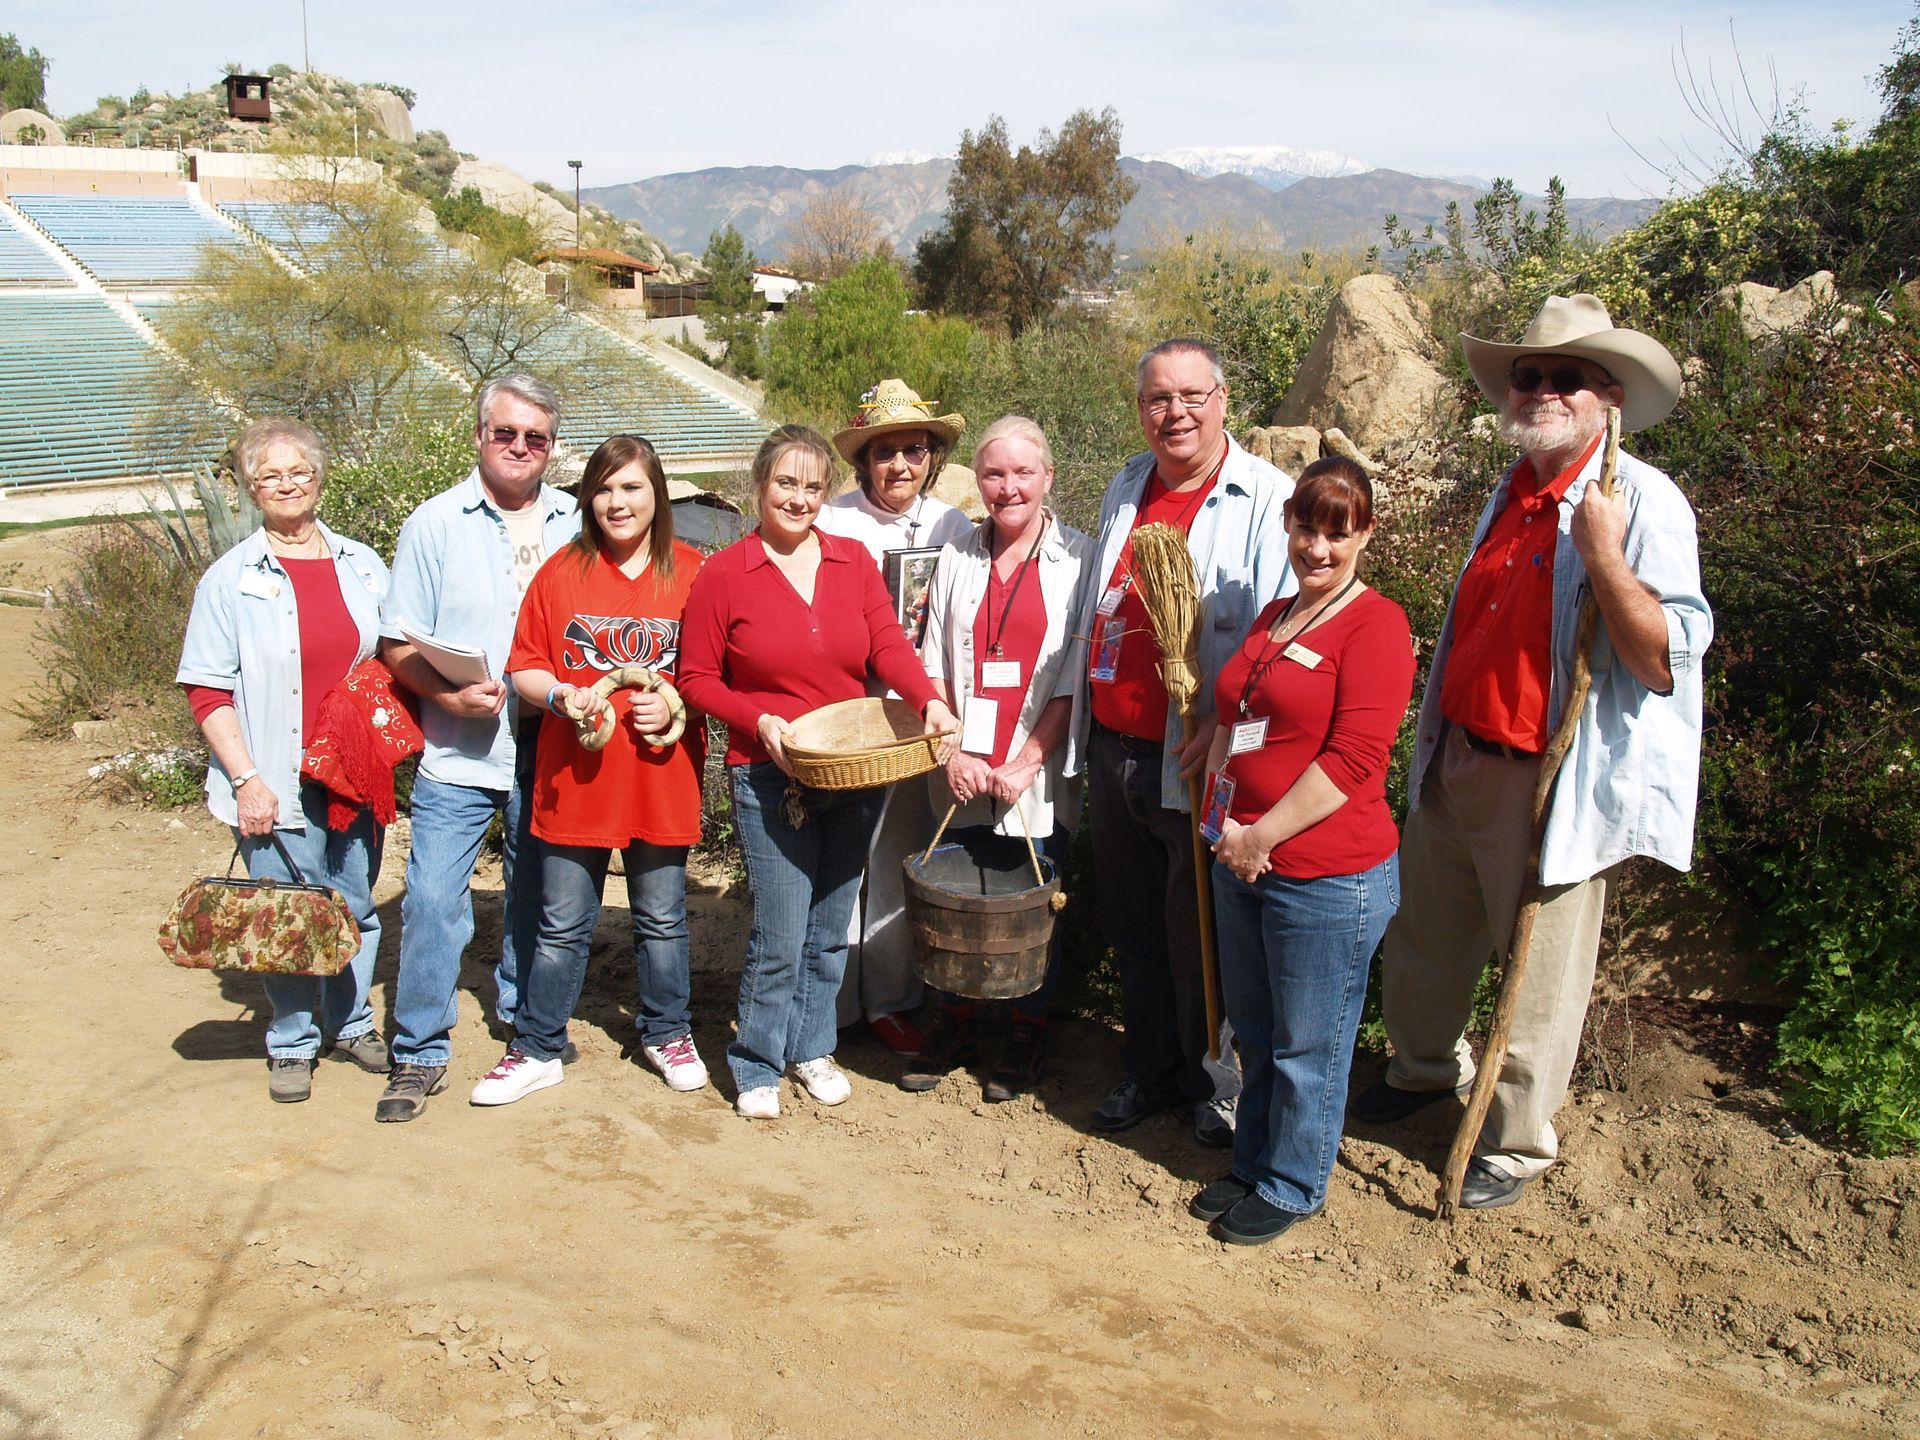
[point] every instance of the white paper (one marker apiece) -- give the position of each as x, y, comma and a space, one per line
1000, 674
976, 731
461, 665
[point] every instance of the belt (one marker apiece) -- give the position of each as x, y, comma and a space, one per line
1132, 744
1494, 747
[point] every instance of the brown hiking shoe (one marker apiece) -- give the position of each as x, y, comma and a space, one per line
407, 1090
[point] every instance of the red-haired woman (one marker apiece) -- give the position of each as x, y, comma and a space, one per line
1305, 873
612, 598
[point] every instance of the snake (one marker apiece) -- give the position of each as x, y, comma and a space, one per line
597, 730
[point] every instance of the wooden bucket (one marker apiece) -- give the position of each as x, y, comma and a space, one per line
982, 929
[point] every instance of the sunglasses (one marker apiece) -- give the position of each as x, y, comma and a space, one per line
1562, 379
535, 440
884, 454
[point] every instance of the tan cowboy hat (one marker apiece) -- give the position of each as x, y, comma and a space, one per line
1579, 325
890, 406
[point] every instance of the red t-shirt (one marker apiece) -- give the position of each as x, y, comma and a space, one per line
580, 622
1500, 668
1017, 618
329, 642
1134, 702
1343, 711
751, 646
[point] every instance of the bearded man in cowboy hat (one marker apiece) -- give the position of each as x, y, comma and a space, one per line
1547, 538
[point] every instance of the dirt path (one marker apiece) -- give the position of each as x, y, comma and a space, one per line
183, 1258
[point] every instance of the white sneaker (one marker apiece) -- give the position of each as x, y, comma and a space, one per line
516, 1075
825, 1081
678, 1062
760, 1103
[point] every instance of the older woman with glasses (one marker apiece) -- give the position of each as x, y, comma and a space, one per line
897, 446
277, 621
781, 623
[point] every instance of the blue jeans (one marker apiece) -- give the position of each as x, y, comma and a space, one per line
573, 878
804, 885
348, 860
436, 918
987, 844
1293, 966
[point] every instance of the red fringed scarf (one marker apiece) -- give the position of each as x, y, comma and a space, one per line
364, 729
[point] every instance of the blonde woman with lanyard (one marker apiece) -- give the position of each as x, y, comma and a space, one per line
897, 446
1002, 652
1305, 872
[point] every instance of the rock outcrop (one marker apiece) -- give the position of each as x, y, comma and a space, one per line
16, 127
1765, 311
960, 488
509, 190
1373, 370
389, 114
1290, 447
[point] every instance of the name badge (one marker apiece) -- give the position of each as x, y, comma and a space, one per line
999, 674
1110, 601
976, 730
254, 582
1300, 655
1247, 735
1106, 655
1213, 821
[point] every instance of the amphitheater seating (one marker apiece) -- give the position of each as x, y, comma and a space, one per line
24, 263
79, 397
126, 239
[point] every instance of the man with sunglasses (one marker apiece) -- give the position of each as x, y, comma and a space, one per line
1229, 503
1547, 539
464, 559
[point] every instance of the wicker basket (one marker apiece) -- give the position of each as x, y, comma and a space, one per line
858, 744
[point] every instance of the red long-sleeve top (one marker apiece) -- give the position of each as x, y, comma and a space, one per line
749, 646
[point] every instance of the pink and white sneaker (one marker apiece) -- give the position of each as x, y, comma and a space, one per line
678, 1062
516, 1075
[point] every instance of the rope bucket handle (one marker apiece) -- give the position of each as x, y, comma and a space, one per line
1033, 856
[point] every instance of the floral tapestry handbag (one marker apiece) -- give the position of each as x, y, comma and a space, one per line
267, 927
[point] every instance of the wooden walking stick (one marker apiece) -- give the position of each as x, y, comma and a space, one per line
1170, 594
1494, 1055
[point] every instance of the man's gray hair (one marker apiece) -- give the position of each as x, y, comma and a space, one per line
253, 441
521, 386
1011, 426
1180, 345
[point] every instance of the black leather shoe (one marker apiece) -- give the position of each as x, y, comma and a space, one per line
1254, 1222
1488, 1187
1127, 1104
946, 1043
1018, 1069
1382, 1104
1219, 1197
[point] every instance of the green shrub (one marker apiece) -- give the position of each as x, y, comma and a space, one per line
160, 779
369, 499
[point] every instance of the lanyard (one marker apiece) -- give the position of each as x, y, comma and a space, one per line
1267, 661
1019, 577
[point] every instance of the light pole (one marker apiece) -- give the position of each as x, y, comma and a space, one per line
575, 165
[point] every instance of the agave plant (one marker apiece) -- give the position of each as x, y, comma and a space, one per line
225, 524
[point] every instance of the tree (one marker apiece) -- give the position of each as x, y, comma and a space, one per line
23, 77
732, 307
832, 235
1022, 226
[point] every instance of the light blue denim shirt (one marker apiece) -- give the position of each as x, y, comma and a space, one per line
244, 635
453, 580
1630, 782
1239, 545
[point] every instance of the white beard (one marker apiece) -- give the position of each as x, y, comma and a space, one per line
1544, 429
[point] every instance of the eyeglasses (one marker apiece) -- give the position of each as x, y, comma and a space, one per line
1159, 405
535, 440
284, 480
882, 454
1562, 379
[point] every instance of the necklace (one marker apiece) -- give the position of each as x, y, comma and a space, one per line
1278, 637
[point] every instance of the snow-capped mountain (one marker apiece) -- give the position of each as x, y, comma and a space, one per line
901, 157
1274, 166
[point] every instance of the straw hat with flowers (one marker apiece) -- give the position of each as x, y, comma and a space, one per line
892, 405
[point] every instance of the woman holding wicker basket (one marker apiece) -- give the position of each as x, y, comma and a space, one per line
618, 767
1305, 873
779, 624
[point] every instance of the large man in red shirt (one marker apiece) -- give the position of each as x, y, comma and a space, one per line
1501, 671
1194, 477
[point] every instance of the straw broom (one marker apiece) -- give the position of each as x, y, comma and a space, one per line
1494, 1055
1163, 571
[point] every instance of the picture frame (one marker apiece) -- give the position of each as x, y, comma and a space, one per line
909, 576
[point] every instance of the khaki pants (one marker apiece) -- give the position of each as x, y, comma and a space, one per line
1463, 860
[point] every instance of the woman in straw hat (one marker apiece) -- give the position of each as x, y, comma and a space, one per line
897, 446
785, 621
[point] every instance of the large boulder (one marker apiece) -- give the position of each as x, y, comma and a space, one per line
1290, 447
17, 127
1373, 370
509, 190
389, 114
960, 488
1765, 311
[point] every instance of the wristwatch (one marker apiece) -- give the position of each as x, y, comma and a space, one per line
244, 776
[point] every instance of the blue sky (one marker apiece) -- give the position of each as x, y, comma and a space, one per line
635, 89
